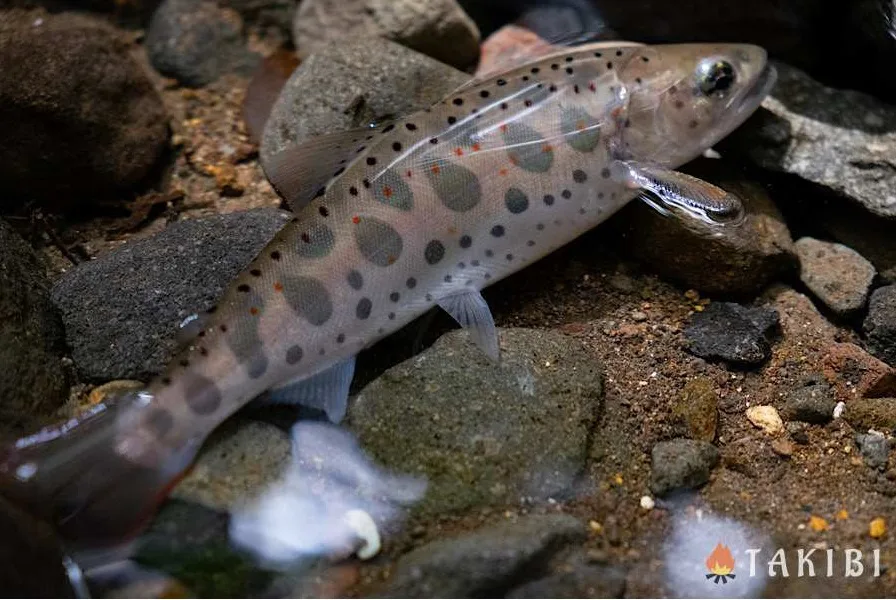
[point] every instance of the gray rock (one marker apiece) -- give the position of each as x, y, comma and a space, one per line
880, 324
237, 462
731, 332
681, 464
437, 28
80, 118
196, 41
875, 448
275, 13
34, 382
481, 562
840, 139
121, 311
484, 434
350, 84
191, 543
811, 403
741, 261
837, 275
578, 580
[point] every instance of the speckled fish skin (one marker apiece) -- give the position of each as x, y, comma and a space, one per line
439, 203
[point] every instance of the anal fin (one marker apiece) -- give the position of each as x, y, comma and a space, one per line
326, 391
471, 312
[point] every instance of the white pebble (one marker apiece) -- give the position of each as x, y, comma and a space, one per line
647, 503
838, 409
766, 418
364, 526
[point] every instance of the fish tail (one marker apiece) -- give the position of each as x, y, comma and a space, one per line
84, 477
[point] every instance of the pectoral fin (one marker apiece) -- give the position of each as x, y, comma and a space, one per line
471, 312
673, 193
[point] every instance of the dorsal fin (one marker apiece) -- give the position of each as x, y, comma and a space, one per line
300, 171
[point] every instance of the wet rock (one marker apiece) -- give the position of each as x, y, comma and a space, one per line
855, 373
880, 324
681, 464
522, 432
34, 382
875, 448
30, 556
838, 275
481, 562
811, 403
742, 261
766, 418
576, 580
122, 310
264, 89
351, 84
731, 332
236, 463
79, 116
506, 46
839, 139
197, 41
698, 408
267, 13
437, 28
191, 543
871, 413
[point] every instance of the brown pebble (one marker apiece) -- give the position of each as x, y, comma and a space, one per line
782, 447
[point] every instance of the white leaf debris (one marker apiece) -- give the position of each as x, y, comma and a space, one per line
364, 526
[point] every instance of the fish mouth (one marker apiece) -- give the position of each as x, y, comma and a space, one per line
765, 81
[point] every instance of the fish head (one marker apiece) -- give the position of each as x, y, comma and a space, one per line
683, 98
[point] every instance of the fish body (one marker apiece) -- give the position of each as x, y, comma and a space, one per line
420, 212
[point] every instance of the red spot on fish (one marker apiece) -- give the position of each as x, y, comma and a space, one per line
435, 169
580, 125
387, 191
514, 160
391, 259
409, 174
459, 151
278, 286
253, 311
503, 127
592, 87
502, 172
356, 219
476, 147
547, 148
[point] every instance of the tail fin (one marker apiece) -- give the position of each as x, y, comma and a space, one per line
76, 477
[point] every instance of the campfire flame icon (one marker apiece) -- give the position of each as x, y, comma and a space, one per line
720, 563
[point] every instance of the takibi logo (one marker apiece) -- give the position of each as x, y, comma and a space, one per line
720, 563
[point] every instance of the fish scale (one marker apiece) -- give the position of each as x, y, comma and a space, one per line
423, 211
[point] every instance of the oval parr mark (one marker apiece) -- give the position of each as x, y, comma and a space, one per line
362, 310
527, 148
308, 297
201, 394
516, 201
581, 130
391, 189
355, 279
457, 187
294, 354
378, 241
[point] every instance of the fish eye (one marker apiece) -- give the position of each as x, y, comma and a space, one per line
715, 77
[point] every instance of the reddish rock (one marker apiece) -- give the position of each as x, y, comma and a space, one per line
853, 373
509, 45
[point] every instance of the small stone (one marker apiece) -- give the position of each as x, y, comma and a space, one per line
681, 464
647, 503
80, 119
875, 448
579, 578
437, 28
838, 275
877, 528
855, 373
732, 333
880, 324
507, 46
766, 418
818, 524
838, 409
639, 316
782, 447
810, 403
697, 407
477, 563
197, 41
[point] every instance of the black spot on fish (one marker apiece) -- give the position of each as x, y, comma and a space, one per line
497, 230
516, 201
465, 241
355, 280
411, 283
362, 310
579, 176
294, 355
434, 252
